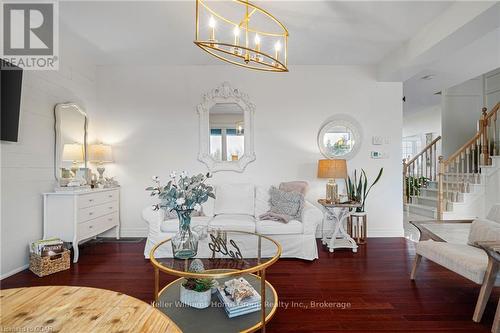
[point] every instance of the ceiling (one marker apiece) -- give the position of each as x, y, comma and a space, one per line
321, 32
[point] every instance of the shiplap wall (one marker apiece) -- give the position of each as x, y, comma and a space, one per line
27, 166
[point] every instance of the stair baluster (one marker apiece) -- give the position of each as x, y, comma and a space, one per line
418, 170
465, 164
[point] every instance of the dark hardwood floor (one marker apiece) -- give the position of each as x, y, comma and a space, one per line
368, 291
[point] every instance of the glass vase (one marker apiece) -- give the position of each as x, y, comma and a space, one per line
184, 242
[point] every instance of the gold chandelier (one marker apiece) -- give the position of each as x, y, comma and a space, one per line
242, 34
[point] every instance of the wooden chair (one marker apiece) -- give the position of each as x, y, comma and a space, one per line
467, 260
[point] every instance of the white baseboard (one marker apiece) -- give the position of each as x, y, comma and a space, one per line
373, 232
134, 232
14, 271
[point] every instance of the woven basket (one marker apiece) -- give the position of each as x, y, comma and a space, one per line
42, 266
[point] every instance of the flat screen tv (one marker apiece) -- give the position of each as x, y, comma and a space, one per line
11, 79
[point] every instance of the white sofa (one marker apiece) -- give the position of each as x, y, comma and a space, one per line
238, 207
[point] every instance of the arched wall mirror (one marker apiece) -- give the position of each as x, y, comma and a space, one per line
340, 137
70, 141
226, 129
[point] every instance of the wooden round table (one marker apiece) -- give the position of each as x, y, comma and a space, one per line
78, 309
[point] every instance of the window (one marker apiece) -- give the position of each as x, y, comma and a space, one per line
226, 144
411, 146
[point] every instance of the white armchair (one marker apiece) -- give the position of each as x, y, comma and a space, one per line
467, 260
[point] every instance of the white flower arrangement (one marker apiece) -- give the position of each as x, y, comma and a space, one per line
182, 193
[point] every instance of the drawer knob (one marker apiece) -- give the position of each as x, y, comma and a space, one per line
90, 200
91, 226
110, 207
110, 196
110, 219
91, 213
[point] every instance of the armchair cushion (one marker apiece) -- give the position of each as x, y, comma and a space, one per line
494, 214
483, 230
463, 259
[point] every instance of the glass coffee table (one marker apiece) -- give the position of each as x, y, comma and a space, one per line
225, 255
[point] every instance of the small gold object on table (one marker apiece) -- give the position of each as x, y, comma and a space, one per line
332, 169
338, 237
356, 227
225, 255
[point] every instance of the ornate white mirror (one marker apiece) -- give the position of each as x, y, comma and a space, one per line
70, 142
340, 137
226, 129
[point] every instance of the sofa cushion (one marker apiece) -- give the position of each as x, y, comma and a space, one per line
234, 199
261, 200
483, 230
289, 203
463, 259
268, 227
236, 222
173, 225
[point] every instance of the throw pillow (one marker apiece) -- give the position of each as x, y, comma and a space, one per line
287, 203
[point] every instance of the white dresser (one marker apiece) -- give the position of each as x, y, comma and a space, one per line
77, 216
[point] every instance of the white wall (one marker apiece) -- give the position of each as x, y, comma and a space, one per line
148, 114
420, 122
27, 166
461, 109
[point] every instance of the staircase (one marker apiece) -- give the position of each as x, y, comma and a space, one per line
454, 188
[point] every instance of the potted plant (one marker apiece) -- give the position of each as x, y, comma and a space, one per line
183, 195
358, 190
197, 292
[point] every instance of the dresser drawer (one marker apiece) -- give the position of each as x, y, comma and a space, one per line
93, 212
93, 199
96, 226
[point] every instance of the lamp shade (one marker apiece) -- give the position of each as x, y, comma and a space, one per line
100, 153
72, 152
333, 169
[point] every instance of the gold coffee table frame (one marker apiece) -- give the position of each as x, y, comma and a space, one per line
258, 270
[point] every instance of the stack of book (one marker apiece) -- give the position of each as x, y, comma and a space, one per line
235, 306
47, 247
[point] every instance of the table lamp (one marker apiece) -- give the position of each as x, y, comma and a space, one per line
100, 154
73, 152
332, 169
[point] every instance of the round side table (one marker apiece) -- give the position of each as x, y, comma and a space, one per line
225, 255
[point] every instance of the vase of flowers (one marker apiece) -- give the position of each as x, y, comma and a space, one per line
183, 194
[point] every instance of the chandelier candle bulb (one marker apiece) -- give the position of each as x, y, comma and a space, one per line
277, 49
211, 24
257, 43
236, 33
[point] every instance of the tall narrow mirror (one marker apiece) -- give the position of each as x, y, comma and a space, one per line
226, 129
71, 143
